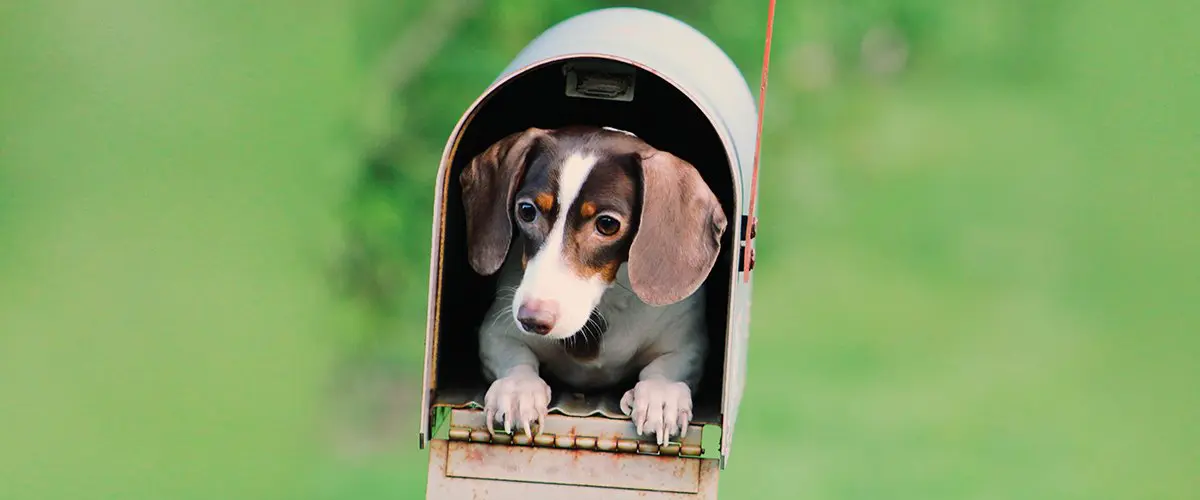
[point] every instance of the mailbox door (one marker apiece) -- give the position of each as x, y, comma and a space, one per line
584, 457
498, 472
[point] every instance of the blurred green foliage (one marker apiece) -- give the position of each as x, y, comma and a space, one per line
978, 222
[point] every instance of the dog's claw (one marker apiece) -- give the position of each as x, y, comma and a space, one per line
660, 407
518, 399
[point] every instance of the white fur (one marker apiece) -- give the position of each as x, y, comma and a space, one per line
663, 346
626, 132
548, 276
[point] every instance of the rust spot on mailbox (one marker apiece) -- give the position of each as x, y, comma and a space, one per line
546, 465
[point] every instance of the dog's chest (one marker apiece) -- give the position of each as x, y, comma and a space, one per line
610, 356
612, 363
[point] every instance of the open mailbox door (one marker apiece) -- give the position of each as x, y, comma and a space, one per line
654, 76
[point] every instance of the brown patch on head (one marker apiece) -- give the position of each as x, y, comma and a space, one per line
544, 202
587, 209
538, 189
609, 196
608, 272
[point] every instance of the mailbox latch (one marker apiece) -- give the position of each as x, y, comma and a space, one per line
606, 80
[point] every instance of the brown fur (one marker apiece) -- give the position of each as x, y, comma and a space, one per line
671, 223
611, 190
587, 210
488, 185
544, 202
679, 233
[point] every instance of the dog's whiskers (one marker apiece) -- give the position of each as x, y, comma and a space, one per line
588, 332
500, 314
506, 294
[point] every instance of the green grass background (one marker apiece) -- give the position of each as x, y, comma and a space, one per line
977, 275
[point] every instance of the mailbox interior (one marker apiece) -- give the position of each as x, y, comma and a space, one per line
662, 116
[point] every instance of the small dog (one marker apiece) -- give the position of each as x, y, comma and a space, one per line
614, 240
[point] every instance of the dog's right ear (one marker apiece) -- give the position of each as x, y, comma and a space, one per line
488, 185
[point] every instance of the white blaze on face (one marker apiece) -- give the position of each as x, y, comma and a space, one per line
548, 275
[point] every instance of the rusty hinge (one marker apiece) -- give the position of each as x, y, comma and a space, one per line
749, 225
576, 442
469, 426
742, 259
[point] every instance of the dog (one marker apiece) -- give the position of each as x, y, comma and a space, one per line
603, 244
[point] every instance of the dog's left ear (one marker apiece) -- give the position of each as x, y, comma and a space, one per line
679, 234
488, 185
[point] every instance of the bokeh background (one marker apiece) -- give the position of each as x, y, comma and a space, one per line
977, 264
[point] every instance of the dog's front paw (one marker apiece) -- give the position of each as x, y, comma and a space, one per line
518, 400
659, 406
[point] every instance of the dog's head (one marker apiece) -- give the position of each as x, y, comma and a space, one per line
585, 201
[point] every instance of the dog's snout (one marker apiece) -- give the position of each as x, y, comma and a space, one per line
538, 316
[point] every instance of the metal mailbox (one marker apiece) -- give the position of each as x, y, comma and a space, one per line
652, 75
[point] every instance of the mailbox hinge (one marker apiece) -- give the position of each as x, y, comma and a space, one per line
749, 226
469, 425
573, 442
742, 266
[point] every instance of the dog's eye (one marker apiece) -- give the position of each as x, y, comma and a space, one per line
607, 226
526, 211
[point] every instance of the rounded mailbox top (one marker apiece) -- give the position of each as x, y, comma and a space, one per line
666, 47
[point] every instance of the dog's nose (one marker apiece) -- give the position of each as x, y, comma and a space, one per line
538, 316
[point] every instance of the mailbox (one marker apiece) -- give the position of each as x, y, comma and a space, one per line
660, 79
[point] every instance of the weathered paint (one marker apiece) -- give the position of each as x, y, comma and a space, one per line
565, 466
584, 466
697, 68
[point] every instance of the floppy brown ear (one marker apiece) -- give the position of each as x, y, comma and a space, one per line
679, 234
488, 185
